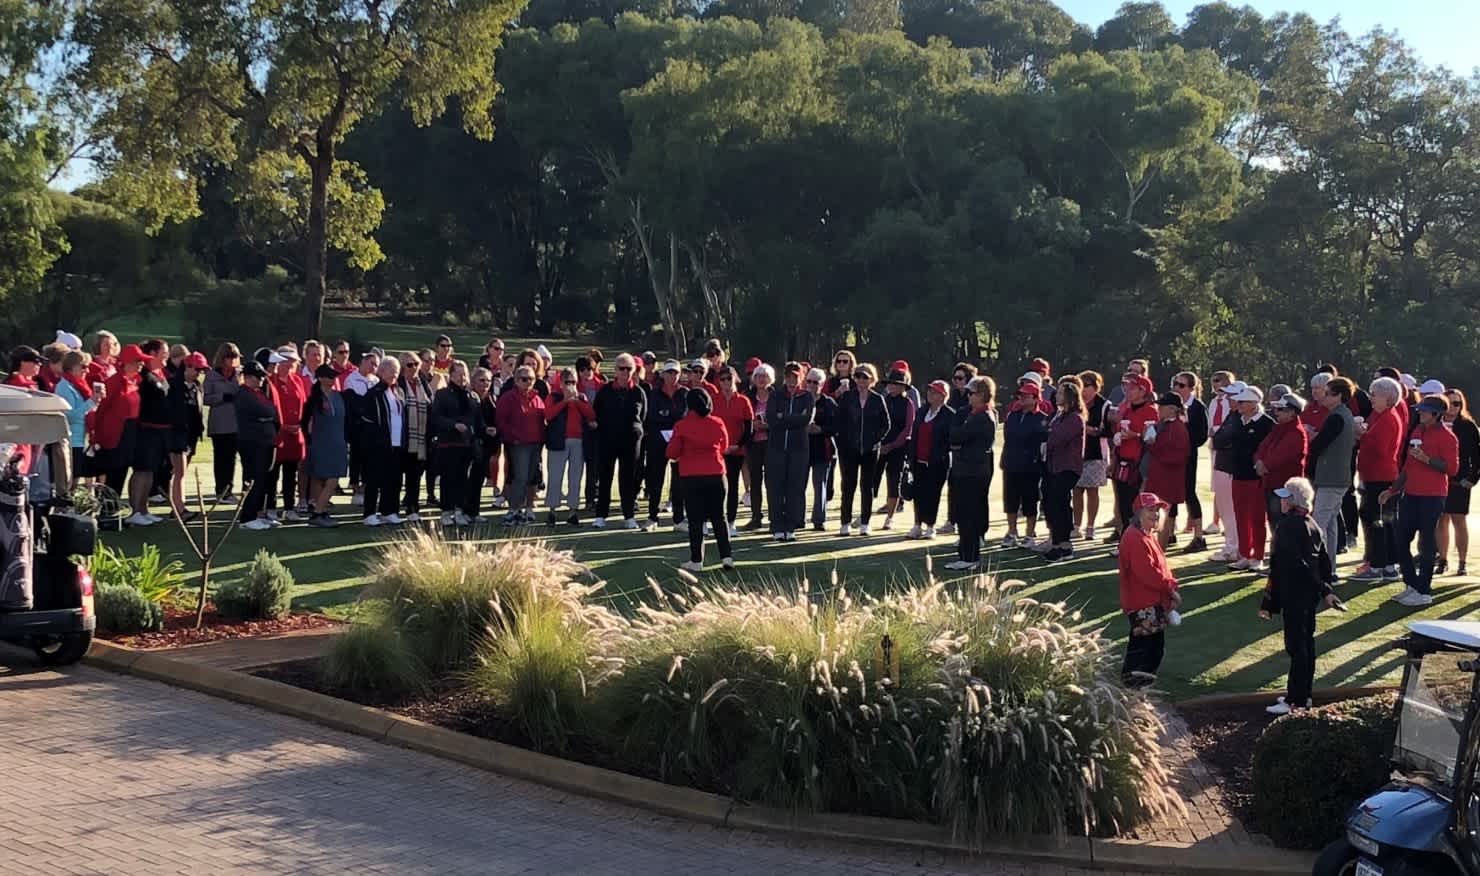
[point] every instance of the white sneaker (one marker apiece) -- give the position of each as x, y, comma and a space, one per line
1075, 534
728, 562
960, 566
929, 533
274, 522
1243, 564
1404, 594
599, 523
948, 529
691, 566
1260, 568
863, 530
1415, 599
291, 516
847, 529
680, 527
500, 502
888, 523
630, 523
258, 525
1041, 546
648, 525
1009, 540
413, 518
1392, 573
1089, 533
916, 531
734, 533
1279, 708
392, 519
1215, 529
372, 520
138, 519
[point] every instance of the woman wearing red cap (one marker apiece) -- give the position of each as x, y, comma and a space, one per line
1128, 441
929, 454
1148, 591
117, 420
187, 424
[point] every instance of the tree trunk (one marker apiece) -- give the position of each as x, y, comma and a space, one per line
316, 256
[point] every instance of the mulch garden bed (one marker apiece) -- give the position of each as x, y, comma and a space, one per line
179, 628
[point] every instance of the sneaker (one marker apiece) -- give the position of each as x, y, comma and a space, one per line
413, 518
734, 533
1406, 592
846, 530
290, 516
303, 508
929, 533
708, 529
1441, 566
599, 523
631, 523
500, 502
511, 519
1392, 573
948, 529
680, 526
154, 518
819, 527
1140, 679
667, 508
574, 519
137, 519
1416, 600
1115, 551
1367, 574
373, 520
692, 567
1223, 557
274, 522
1089, 533
158, 498
392, 519
1260, 568
728, 562
1243, 564
1075, 534
227, 498
1279, 708
863, 530
888, 522
649, 525
1053, 555
1041, 546
1196, 546
789, 536
915, 531
1009, 540
1215, 529
1459, 571
258, 525
959, 566
462, 519
324, 521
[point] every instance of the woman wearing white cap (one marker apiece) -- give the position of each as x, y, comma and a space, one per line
1250, 428
1300, 574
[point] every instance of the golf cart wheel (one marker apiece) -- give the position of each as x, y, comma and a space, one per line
63, 650
1337, 859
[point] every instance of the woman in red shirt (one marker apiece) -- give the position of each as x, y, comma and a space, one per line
1380, 443
1169, 446
698, 446
1148, 591
1423, 485
737, 412
568, 417
290, 395
117, 418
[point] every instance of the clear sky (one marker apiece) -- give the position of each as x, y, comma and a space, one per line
1441, 31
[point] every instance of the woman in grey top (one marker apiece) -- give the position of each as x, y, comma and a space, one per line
221, 385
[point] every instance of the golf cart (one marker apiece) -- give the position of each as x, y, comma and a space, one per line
1424, 821
46, 598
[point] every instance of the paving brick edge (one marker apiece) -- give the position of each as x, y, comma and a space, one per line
1113, 854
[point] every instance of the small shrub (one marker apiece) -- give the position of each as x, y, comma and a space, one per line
265, 592
1310, 767
372, 658
123, 609
156, 580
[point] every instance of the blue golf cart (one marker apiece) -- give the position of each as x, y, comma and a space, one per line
1424, 821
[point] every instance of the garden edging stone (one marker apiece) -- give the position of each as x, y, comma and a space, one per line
1206, 859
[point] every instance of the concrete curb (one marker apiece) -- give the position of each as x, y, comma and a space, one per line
1264, 698
1207, 859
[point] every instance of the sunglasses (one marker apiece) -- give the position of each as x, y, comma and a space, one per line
958, 378
624, 367
444, 346
725, 378
840, 361
525, 379
341, 352
1180, 385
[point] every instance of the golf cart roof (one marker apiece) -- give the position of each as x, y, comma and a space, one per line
31, 417
1461, 634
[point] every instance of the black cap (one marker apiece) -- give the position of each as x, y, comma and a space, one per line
700, 403
253, 368
325, 370
897, 377
25, 354
1171, 398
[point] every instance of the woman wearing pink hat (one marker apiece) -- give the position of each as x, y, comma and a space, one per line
1148, 590
1127, 441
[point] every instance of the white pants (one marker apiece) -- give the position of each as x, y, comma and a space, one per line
1223, 501
565, 466
1327, 513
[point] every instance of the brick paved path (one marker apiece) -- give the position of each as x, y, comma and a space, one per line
111, 775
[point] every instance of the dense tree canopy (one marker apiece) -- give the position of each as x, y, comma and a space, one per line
983, 179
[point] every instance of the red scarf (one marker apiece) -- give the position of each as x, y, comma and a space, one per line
79, 384
21, 380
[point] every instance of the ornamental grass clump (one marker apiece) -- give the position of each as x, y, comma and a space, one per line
372, 658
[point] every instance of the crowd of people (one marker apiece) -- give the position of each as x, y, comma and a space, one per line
1386, 463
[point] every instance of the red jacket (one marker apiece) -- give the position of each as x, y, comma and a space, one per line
580, 414
20, 380
712, 390
1283, 452
1314, 415
1424, 480
1138, 418
1377, 453
698, 445
120, 404
1145, 578
1166, 476
520, 417
735, 411
289, 395
99, 370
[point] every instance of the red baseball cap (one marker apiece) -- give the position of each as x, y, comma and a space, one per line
1039, 365
1142, 381
1148, 500
1029, 387
899, 365
939, 386
197, 360
131, 354
752, 363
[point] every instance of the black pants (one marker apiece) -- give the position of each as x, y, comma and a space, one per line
675, 494
1300, 644
786, 481
382, 479
456, 476
929, 482
591, 453
1380, 540
1020, 490
431, 469
733, 466
755, 463
256, 470
1143, 654
704, 496
356, 462
1272, 511
859, 469
657, 470
1058, 504
1194, 504
223, 462
1125, 495
621, 463
287, 473
891, 469
969, 500
412, 468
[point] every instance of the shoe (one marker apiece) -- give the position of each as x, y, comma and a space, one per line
631, 523
1075, 534
1223, 557
372, 520
599, 523
915, 532
680, 526
754, 524
1196, 546
1089, 533
1407, 592
728, 562
708, 529
846, 530
1215, 529
1416, 600
928, 534
325, 521
1459, 571
154, 518
258, 525
863, 530
1441, 566
960, 566
1171, 540
1009, 540
948, 529
462, 519
1115, 551
227, 498
1391, 573
303, 508
1368, 574
692, 567
650, 524
1053, 555
574, 519
734, 533
790, 536
510, 520
1112, 538
888, 523
500, 502
274, 522
158, 498
446, 518
1140, 679
667, 508
818, 527
1279, 708
1260, 568
392, 519
1241, 565
137, 519
1041, 546
413, 518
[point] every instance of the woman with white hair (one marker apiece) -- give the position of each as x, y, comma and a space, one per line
1300, 572
762, 379
1378, 451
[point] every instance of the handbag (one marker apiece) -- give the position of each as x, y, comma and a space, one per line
1126, 471
907, 484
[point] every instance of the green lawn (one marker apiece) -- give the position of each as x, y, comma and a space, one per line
1221, 647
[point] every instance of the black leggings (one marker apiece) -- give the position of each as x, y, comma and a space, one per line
704, 496
657, 468
755, 461
859, 469
1300, 644
1058, 493
455, 466
1194, 504
1125, 496
1379, 540
928, 483
1143, 654
626, 476
223, 451
413, 468
892, 471
969, 503
288, 472
256, 469
733, 465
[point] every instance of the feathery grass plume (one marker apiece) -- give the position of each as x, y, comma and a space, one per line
372, 657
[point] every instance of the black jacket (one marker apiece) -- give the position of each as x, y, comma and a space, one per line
663, 413
787, 419
824, 417
256, 416
862, 424
487, 409
1244, 440
1468, 435
1223, 443
1024, 434
452, 405
154, 391
183, 401
1299, 566
972, 439
1197, 424
938, 453
619, 415
375, 417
